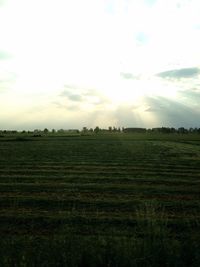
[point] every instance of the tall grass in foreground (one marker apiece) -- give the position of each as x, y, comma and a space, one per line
149, 244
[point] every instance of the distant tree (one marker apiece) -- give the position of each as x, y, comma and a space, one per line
134, 130
60, 131
173, 130
97, 129
165, 130
182, 130
110, 128
46, 131
84, 130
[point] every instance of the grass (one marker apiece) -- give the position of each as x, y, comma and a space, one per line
100, 200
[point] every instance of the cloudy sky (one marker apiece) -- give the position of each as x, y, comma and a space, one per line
74, 63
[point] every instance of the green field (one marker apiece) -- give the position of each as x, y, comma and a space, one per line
100, 200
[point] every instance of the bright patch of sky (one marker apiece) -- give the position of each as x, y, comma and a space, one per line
74, 63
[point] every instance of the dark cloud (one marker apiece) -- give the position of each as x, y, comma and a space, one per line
76, 93
154, 105
75, 98
71, 96
72, 92
180, 73
194, 94
80, 95
173, 113
129, 76
152, 109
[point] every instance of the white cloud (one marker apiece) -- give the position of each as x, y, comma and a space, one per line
91, 44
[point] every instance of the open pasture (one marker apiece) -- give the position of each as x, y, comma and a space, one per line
109, 193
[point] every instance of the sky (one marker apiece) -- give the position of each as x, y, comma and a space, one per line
71, 63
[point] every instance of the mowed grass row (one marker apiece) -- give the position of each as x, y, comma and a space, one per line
97, 181
100, 200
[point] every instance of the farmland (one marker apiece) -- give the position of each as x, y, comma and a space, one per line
100, 200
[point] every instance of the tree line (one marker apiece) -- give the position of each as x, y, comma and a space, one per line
110, 129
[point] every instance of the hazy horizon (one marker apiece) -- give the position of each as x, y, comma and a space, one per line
72, 63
